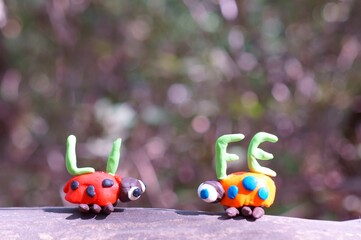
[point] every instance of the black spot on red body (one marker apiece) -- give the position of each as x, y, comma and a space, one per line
107, 183
74, 185
90, 191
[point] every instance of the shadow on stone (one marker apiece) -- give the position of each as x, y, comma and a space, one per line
76, 214
237, 218
59, 210
195, 213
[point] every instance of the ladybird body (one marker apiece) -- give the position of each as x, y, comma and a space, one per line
93, 188
244, 193
98, 191
248, 189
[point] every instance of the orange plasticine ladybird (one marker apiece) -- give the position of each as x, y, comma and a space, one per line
99, 191
244, 193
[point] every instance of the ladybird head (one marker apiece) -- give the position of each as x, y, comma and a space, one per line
210, 191
131, 189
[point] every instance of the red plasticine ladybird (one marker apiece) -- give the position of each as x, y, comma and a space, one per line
244, 193
99, 191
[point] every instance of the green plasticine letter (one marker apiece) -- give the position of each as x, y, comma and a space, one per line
70, 158
222, 157
113, 159
255, 153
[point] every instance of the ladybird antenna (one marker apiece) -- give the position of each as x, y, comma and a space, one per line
70, 158
222, 157
255, 153
113, 159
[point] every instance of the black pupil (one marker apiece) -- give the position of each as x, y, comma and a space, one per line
137, 192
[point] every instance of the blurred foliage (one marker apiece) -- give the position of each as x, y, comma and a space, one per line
169, 77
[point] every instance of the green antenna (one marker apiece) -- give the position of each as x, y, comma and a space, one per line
70, 158
113, 159
255, 153
222, 157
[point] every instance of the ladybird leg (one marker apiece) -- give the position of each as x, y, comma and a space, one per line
84, 208
232, 211
246, 211
108, 209
258, 212
96, 208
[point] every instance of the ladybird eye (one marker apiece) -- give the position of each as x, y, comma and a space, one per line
142, 186
207, 193
134, 193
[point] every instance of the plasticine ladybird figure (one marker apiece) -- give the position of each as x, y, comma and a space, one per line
99, 191
244, 193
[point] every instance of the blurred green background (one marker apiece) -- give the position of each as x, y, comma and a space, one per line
169, 77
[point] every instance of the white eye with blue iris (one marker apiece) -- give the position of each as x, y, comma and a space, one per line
207, 193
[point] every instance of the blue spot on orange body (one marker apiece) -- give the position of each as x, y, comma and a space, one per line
263, 193
232, 192
204, 194
249, 183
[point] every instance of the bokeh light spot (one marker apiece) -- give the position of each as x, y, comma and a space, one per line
2, 14
200, 124
351, 203
178, 94
247, 61
280, 92
235, 39
336, 12
249, 99
155, 147
12, 28
229, 9
9, 87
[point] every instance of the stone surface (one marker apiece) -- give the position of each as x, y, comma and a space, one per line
148, 223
